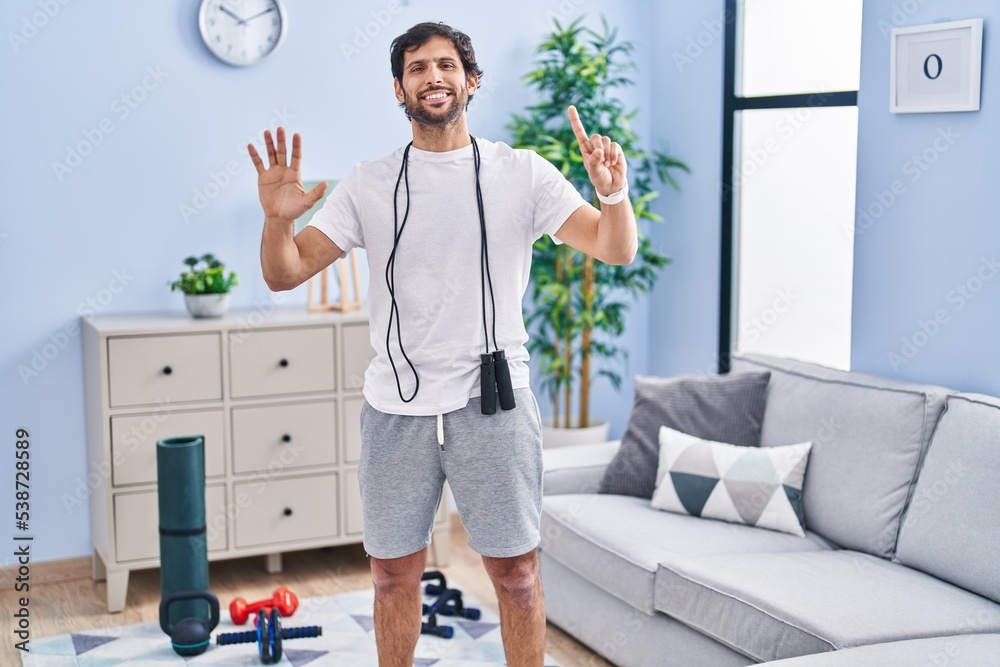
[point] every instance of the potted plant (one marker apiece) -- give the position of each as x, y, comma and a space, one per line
575, 299
206, 289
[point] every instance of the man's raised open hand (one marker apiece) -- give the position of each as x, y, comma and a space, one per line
280, 185
603, 158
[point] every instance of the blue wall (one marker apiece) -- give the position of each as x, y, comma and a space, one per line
926, 279
109, 234
687, 106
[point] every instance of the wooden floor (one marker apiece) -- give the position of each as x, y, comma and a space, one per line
80, 604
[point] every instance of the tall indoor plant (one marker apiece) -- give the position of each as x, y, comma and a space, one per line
573, 295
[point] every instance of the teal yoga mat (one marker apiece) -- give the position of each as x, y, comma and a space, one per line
180, 479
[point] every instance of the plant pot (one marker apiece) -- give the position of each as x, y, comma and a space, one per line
207, 305
596, 432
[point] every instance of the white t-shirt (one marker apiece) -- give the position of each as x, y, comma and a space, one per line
437, 284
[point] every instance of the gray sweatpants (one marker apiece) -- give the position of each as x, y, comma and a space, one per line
493, 464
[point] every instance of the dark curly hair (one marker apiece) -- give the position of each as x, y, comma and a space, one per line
418, 35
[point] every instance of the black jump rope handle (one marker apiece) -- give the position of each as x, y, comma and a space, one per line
504, 389
494, 382
488, 385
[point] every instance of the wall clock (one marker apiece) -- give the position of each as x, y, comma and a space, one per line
242, 32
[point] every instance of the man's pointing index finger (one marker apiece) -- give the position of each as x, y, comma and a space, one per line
581, 135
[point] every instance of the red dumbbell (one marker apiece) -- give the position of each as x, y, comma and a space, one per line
283, 600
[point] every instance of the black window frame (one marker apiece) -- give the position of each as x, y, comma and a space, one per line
731, 104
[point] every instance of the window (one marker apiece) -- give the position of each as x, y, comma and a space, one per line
789, 167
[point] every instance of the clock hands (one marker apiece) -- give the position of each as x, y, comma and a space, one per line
242, 21
271, 8
225, 9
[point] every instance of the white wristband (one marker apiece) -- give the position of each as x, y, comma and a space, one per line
614, 197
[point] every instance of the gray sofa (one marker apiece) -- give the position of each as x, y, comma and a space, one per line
900, 564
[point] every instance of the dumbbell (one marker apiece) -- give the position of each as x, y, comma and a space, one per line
268, 635
282, 599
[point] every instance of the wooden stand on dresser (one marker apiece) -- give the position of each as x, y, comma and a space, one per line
277, 395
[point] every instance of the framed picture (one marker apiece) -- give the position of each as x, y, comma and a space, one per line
936, 67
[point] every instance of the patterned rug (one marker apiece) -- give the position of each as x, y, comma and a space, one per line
348, 640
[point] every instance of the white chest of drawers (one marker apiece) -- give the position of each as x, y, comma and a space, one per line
277, 393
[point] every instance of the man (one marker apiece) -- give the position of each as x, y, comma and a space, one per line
431, 423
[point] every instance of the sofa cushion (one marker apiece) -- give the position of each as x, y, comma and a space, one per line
726, 408
952, 525
755, 486
781, 605
615, 630
868, 435
616, 542
951, 651
576, 468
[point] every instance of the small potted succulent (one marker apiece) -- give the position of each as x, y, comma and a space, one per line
206, 290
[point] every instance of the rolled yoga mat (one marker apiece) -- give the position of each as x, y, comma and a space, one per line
180, 480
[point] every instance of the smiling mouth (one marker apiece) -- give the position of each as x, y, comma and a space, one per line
436, 96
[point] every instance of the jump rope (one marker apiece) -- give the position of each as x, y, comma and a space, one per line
494, 375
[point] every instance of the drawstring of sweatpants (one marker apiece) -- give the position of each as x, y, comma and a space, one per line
441, 431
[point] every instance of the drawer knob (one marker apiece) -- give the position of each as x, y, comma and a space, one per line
167, 370
283, 363
286, 438
288, 511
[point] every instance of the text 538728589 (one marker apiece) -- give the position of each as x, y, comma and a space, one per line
22, 541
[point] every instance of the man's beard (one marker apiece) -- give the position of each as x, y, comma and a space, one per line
425, 116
